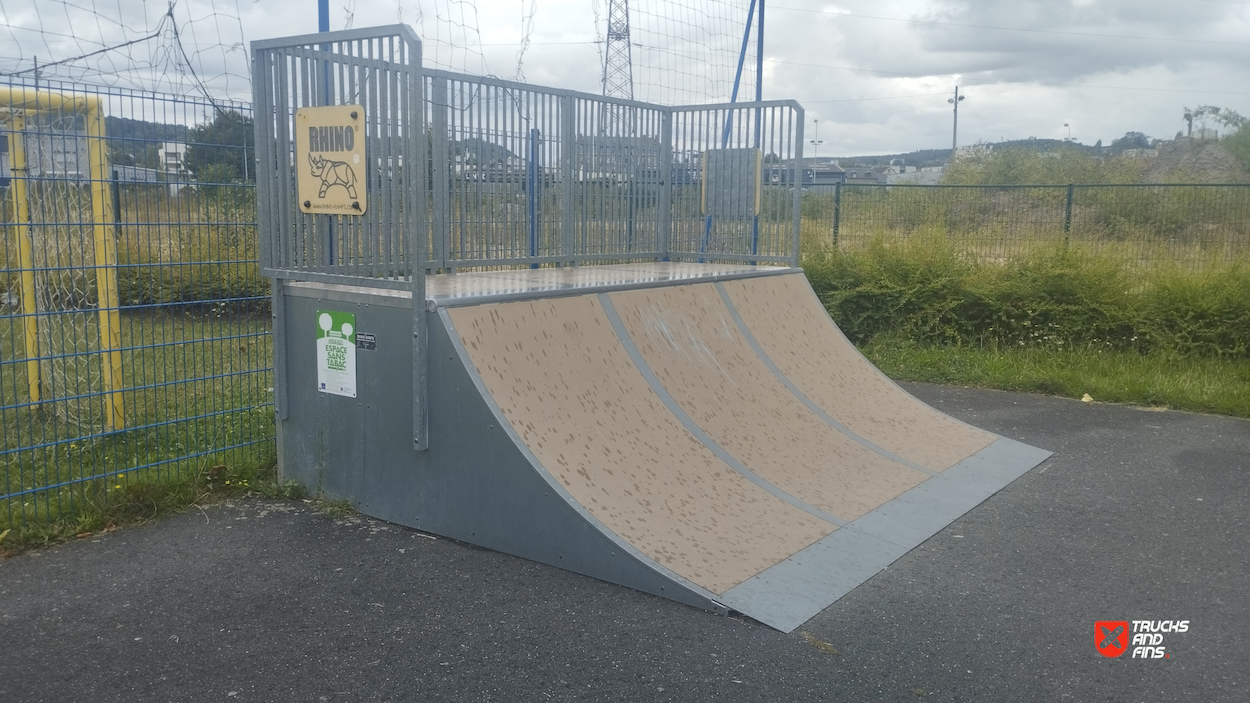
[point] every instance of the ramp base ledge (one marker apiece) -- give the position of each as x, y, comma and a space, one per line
793, 591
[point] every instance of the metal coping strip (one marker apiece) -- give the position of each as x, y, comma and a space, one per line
319, 286
436, 302
694, 429
785, 381
793, 591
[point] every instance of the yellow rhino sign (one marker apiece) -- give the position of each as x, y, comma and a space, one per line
330, 159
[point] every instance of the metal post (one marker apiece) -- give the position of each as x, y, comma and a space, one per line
665, 204
531, 187
837, 211
323, 25
277, 293
568, 144
417, 235
759, 97
742, 55
1067, 215
955, 127
117, 204
800, 117
440, 144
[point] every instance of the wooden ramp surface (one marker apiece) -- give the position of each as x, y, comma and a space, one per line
728, 432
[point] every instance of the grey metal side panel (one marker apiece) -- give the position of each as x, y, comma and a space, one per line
793, 591
475, 483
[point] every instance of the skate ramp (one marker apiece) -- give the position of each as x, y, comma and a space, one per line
727, 434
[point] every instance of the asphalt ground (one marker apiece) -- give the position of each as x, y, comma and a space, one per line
1141, 515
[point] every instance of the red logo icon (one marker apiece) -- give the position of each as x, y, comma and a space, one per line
1111, 637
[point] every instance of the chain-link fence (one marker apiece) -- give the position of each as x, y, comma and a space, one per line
133, 323
1190, 224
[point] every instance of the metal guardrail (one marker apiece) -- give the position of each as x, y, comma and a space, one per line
1188, 224
528, 175
132, 329
378, 69
514, 174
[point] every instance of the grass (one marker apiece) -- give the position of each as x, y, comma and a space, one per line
135, 498
1196, 384
1046, 319
196, 390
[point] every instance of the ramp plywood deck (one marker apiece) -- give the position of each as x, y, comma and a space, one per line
561, 376
689, 339
795, 331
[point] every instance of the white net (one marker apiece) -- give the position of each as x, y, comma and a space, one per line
686, 53
682, 51
185, 47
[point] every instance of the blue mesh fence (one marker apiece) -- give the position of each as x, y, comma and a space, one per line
134, 325
1193, 225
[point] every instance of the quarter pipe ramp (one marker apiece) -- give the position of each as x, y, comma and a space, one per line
700, 432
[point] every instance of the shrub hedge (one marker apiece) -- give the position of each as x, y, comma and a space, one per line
931, 292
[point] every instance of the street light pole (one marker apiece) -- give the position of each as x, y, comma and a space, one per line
815, 142
955, 130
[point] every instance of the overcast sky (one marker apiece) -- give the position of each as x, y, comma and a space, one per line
875, 73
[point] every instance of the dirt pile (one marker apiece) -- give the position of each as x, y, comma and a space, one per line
1187, 160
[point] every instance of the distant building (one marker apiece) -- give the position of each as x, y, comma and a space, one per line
172, 161
823, 172
973, 151
135, 174
860, 175
172, 158
1206, 133
912, 175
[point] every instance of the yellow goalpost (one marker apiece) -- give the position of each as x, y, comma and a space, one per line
23, 112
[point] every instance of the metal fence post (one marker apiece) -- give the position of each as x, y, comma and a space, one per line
568, 143
800, 117
532, 179
417, 224
1067, 215
665, 223
439, 144
117, 205
837, 211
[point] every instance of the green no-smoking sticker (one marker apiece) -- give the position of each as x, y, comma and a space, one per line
336, 353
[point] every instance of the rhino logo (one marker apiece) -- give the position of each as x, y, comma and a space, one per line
333, 173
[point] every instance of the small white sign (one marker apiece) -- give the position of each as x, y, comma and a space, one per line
336, 353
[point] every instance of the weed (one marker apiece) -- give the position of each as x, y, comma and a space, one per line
335, 508
819, 643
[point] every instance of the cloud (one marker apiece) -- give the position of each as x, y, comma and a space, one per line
876, 74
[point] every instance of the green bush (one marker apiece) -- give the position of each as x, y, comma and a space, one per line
1020, 166
1238, 144
925, 290
1198, 314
